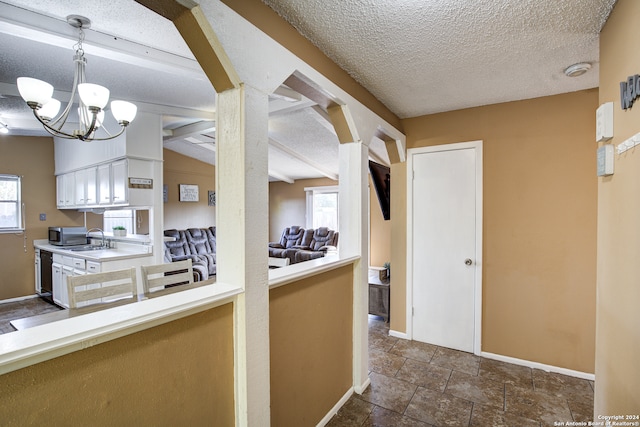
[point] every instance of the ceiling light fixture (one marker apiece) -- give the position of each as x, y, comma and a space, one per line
578, 69
92, 99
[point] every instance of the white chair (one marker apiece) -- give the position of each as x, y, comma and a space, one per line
157, 277
96, 288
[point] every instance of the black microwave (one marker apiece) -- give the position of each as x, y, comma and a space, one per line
67, 236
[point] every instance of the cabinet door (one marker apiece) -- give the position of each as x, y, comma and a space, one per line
90, 186
69, 189
60, 191
64, 291
58, 291
80, 186
119, 174
104, 184
37, 271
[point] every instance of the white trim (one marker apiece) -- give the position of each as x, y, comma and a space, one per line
323, 422
4, 301
477, 146
296, 272
361, 388
310, 192
537, 365
397, 334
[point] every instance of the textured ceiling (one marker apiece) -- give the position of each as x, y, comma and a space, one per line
416, 56
426, 56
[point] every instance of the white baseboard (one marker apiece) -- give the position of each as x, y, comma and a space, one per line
360, 389
397, 334
536, 365
18, 299
323, 422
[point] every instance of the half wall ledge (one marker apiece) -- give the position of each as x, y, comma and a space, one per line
295, 272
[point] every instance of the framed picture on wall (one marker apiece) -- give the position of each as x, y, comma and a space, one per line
212, 198
188, 193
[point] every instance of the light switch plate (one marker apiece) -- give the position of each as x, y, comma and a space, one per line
605, 160
604, 122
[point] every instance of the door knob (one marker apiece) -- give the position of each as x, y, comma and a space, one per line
468, 261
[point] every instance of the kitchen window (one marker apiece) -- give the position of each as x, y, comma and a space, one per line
10, 204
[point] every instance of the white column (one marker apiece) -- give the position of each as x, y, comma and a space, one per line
242, 207
354, 223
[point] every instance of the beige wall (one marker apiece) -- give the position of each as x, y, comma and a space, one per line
310, 347
180, 373
379, 231
539, 231
179, 169
618, 326
31, 158
288, 204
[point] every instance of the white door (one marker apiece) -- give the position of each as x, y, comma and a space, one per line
444, 246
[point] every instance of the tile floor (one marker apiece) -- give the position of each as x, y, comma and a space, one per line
19, 309
417, 384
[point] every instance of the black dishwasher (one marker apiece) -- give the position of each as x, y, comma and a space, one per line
46, 282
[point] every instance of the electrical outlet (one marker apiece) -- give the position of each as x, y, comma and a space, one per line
43, 217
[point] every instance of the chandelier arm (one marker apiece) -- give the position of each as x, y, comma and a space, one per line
122, 129
92, 127
53, 131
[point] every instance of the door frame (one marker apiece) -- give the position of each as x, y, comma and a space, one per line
477, 146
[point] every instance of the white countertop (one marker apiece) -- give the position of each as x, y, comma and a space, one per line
122, 251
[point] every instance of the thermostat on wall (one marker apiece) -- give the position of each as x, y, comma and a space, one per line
605, 160
604, 122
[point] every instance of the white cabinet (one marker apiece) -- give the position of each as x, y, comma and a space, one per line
119, 177
107, 185
59, 292
85, 187
104, 184
37, 271
65, 266
63, 298
65, 189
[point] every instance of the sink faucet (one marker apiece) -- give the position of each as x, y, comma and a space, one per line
101, 232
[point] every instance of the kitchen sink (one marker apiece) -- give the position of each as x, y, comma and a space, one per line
87, 248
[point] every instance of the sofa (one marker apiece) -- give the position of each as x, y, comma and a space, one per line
299, 245
198, 244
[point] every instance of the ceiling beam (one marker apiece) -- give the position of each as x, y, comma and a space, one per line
183, 132
293, 154
10, 89
197, 32
280, 177
32, 26
278, 106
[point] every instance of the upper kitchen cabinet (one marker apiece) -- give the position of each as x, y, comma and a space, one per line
117, 172
141, 140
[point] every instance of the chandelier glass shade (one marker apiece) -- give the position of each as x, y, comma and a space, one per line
92, 99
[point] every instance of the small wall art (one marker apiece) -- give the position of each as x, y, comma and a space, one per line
212, 198
188, 193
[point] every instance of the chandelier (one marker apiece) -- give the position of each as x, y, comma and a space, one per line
92, 99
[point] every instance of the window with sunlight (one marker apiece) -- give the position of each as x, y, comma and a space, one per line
10, 203
322, 207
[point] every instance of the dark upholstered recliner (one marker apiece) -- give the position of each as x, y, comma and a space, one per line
319, 242
291, 236
300, 245
198, 244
